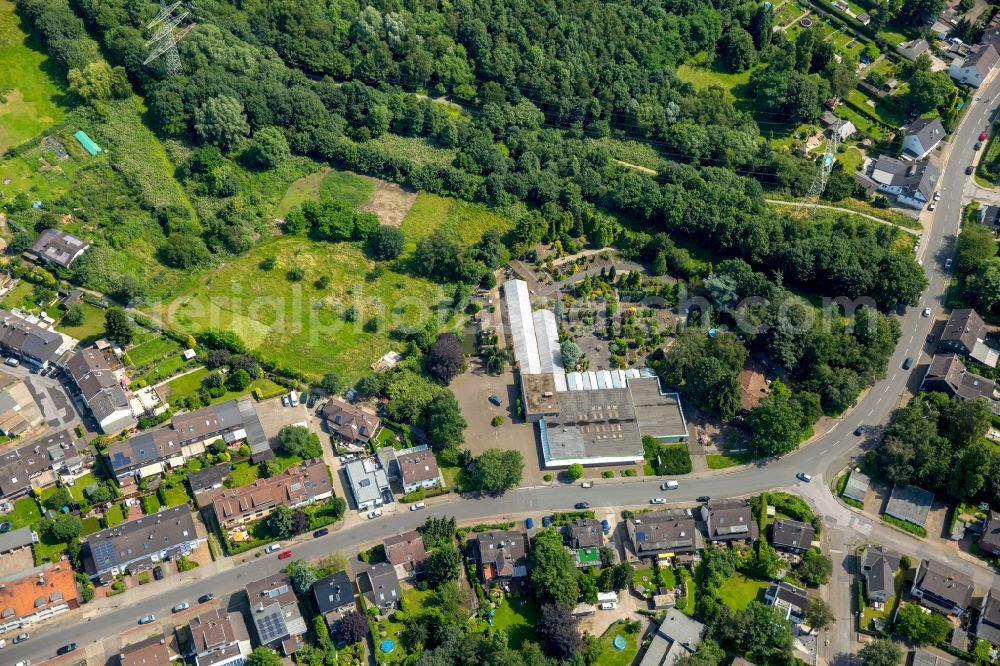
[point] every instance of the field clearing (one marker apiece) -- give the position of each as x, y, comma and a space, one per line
416, 149
295, 323
702, 73
633, 152
30, 95
304, 189
348, 187
465, 222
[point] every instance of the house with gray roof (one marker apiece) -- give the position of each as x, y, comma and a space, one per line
946, 373
58, 247
140, 544
990, 539
975, 68
965, 334
923, 657
677, 636
379, 586
857, 486
792, 536
913, 49
988, 626
789, 598
23, 338
921, 137
501, 555
39, 463
274, 610
368, 482
670, 531
912, 183
98, 375
333, 597
18, 539
729, 520
942, 588
909, 503
878, 570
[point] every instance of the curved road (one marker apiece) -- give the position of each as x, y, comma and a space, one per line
97, 621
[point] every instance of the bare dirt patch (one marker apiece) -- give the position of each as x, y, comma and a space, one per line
390, 202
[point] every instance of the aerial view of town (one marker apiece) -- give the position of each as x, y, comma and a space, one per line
496, 333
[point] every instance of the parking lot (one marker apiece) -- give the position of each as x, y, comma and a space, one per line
472, 390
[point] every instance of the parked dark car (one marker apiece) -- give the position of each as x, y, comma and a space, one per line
582, 505
320, 532
495, 399
311, 401
158, 572
205, 598
66, 649
704, 498
969, 170
546, 521
930, 337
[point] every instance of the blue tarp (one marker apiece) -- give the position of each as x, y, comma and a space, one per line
88, 144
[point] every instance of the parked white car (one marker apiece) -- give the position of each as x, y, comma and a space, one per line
658, 500
273, 547
417, 507
372, 515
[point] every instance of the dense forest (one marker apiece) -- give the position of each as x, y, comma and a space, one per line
535, 83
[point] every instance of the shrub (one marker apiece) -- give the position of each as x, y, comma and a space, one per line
628, 472
607, 474
547, 477
496, 421
673, 459
791, 506
297, 274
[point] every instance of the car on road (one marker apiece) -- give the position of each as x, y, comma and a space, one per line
158, 572
23, 662
66, 649
582, 505
658, 500
321, 532
908, 363
284, 555
802, 476
947, 264
933, 206
860, 430
179, 607
20, 638
926, 312
3, 643
979, 144
375, 513
930, 338
495, 399
273, 547
205, 598
704, 498
146, 619
937, 196
669, 485
417, 506
969, 170
982, 137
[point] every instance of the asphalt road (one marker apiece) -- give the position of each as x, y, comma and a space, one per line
821, 458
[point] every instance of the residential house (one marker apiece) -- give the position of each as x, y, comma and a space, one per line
863, 18
677, 636
928, 658
501, 555
912, 183
274, 610
878, 570
18, 410
207, 483
857, 486
351, 424
943, 26
380, 587
965, 334
219, 638
406, 552
368, 482
140, 544
417, 468
791, 535
729, 520
989, 216
661, 532
946, 373
152, 651
791, 599
57, 247
753, 385
35, 345
913, 49
909, 503
942, 588
297, 486
333, 597
15, 540
975, 68
585, 536
921, 137
988, 626
40, 463
990, 540
37, 594
844, 130
98, 375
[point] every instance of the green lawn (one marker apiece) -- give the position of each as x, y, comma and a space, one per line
517, 616
722, 461
92, 326
189, 384
297, 325
689, 601
80, 485
31, 98
151, 351
115, 515
168, 367
645, 578
174, 496
702, 72
739, 591
612, 656
20, 295
244, 473
851, 159
347, 187
91, 525
304, 189
25, 513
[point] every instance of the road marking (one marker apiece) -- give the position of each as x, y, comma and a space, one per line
823, 451
834, 550
870, 411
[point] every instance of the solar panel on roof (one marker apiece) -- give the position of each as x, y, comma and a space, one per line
271, 627
641, 536
104, 554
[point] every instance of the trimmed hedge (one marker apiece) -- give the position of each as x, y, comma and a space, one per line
905, 525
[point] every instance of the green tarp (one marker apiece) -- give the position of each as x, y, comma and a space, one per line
87, 143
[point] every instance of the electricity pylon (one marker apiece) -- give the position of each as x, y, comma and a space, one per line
164, 39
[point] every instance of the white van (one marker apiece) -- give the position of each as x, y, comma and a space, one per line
608, 605
669, 485
273, 547
294, 399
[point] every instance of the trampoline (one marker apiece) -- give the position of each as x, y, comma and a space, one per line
387, 646
619, 642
